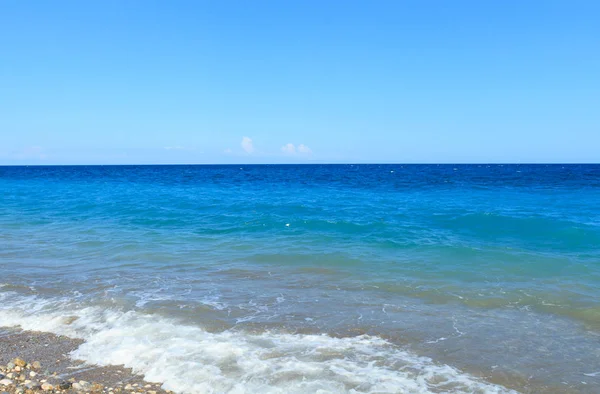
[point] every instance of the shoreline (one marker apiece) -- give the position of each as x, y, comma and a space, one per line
47, 355
33, 361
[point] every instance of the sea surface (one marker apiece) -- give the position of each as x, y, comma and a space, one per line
313, 278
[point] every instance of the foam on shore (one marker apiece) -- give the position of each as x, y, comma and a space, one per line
189, 359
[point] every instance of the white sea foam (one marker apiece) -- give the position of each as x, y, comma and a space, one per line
188, 359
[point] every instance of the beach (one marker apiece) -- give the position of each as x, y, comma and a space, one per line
299, 197
32, 362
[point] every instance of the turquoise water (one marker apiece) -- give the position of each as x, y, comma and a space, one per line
372, 278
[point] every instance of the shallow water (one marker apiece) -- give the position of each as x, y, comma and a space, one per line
372, 278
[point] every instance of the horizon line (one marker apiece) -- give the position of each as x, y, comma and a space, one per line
296, 164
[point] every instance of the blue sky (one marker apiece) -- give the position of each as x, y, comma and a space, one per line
90, 82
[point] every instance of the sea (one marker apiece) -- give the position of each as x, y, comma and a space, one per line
313, 278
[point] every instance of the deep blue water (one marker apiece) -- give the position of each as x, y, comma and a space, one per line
492, 271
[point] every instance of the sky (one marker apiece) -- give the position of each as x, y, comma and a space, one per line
326, 81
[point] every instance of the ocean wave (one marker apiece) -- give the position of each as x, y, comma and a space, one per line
189, 359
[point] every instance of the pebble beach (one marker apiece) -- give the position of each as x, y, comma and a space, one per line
35, 362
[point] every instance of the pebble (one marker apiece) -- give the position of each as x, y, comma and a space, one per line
84, 386
20, 377
19, 362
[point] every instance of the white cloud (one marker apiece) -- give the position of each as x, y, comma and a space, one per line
304, 149
247, 145
289, 149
